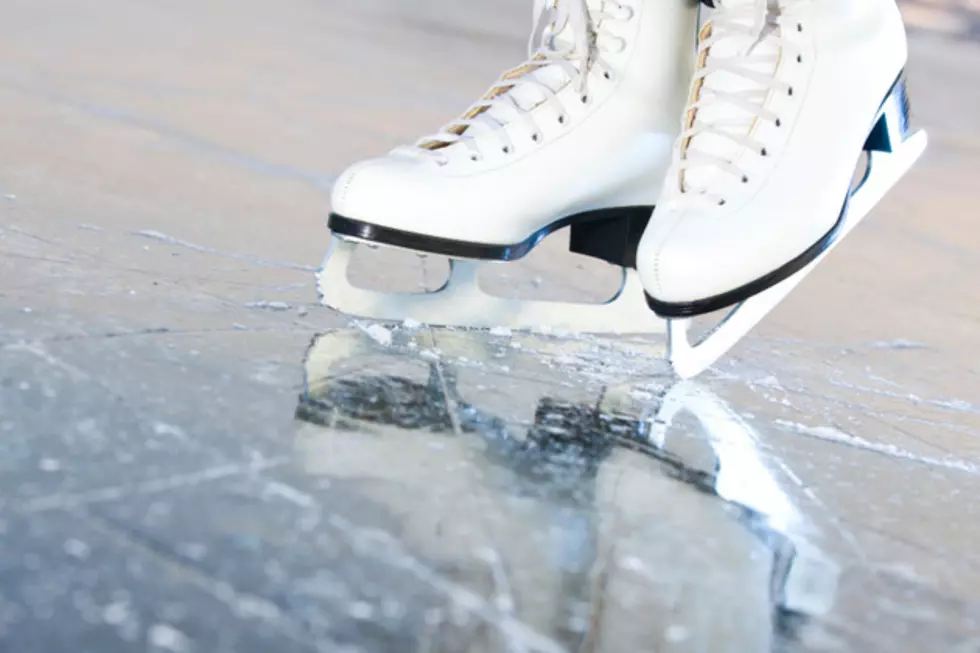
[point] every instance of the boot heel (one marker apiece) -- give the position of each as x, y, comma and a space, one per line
611, 235
893, 126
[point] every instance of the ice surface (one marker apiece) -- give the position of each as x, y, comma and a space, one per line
187, 466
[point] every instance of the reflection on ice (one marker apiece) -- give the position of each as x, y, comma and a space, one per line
742, 476
598, 517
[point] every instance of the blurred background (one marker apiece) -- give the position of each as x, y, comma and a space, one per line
223, 124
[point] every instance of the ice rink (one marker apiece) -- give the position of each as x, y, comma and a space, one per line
196, 457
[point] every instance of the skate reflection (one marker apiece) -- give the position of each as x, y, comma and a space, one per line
580, 517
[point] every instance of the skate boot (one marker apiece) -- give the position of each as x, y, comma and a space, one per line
579, 135
790, 99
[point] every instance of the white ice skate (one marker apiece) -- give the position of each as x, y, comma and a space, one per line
580, 135
762, 186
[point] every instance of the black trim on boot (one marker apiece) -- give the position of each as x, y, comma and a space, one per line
611, 235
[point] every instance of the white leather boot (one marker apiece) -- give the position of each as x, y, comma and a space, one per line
786, 94
580, 133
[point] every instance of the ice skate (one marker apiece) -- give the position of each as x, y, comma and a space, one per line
580, 136
791, 99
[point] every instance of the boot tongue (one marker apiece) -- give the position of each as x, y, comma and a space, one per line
528, 96
744, 29
551, 76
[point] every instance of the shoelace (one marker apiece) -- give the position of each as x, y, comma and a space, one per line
576, 59
758, 23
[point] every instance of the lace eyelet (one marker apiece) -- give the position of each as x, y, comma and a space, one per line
799, 27
475, 157
779, 123
585, 99
790, 91
607, 76
745, 179
536, 138
764, 152
722, 202
561, 120
799, 58
506, 149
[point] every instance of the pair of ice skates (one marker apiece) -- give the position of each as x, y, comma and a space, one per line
794, 127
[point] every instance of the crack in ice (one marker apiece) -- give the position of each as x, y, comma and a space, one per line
171, 240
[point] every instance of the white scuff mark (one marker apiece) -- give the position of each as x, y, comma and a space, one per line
162, 428
248, 606
361, 610
503, 332
770, 382
49, 465
882, 380
377, 333
89, 227
630, 563
411, 324
676, 634
503, 598
116, 613
168, 638
170, 240
10, 197
269, 306
290, 494
955, 404
642, 395
77, 549
831, 434
897, 344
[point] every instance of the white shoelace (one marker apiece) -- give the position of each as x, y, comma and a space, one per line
567, 35
751, 40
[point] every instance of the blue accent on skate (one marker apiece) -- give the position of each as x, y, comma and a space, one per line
894, 123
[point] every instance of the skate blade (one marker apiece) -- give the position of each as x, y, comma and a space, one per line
689, 358
460, 302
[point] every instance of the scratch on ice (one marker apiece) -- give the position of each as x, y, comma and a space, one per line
830, 434
153, 486
170, 240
